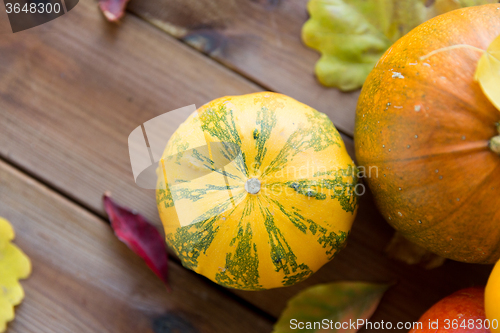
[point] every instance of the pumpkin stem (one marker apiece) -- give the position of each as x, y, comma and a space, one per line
402, 249
495, 144
458, 46
252, 186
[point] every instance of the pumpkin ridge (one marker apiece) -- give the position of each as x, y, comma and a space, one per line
474, 146
452, 216
485, 118
417, 213
417, 85
241, 264
442, 92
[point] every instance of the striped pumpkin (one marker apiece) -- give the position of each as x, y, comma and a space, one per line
256, 191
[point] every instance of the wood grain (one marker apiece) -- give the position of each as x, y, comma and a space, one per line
260, 39
69, 100
85, 280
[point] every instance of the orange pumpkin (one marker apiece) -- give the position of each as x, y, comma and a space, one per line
426, 126
461, 312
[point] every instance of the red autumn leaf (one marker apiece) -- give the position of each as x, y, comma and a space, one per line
139, 235
113, 9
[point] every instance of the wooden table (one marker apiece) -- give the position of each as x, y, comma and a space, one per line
72, 90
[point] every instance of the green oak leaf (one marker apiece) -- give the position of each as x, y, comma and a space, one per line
337, 302
352, 35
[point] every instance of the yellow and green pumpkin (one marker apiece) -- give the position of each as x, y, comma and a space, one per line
279, 207
492, 299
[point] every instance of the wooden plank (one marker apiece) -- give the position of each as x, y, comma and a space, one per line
71, 97
260, 39
85, 280
69, 101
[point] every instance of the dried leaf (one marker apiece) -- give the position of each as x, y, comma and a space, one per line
140, 236
14, 265
488, 72
339, 302
353, 34
113, 9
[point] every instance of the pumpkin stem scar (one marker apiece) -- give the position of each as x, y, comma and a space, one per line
252, 186
458, 46
495, 144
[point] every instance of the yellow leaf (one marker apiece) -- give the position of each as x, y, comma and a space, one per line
488, 72
14, 265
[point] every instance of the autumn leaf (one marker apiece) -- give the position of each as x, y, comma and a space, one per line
339, 302
352, 35
488, 72
140, 236
14, 265
113, 10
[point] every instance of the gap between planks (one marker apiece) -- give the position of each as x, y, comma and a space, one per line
236, 70
18, 175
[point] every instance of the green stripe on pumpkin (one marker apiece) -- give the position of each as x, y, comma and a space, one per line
220, 123
180, 193
332, 242
164, 196
266, 121
194, 239
208, 163
242, 266
281, 254
318, 135
191, 241
337, 188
